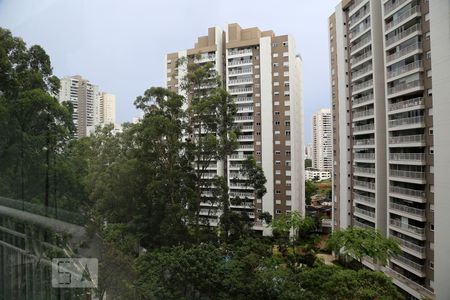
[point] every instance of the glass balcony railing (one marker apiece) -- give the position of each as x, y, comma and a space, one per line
407, 139
390, 6
404, 69
407, 157
365, 156
397, 37
364, 113
404, 51
365, 212
364, 142
407, 192
367, 199
361, 100
407, 209
410, 103
410, 245
364, 127
407, 227
361, 57
403, 16
407, 174
406, 121
361, 86
408, 262
364, 184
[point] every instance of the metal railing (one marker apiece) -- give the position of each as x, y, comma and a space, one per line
406, 104
364, 113
403, 16
243, 118
364, 142
404, 69
405, 139
404, 51
358, 87
407, 227
407, 192
407, 156
40, 209
388, 7
407, 209
403, 34
358, 30
242, 156
241, 90
364, 184
364, 170
364, 127
363, 198
365, 212
241, 80
408, 262
406, 121
369, 156
239, 52
362, 71
362, 99
239, 62
362, 225
409, 245
357, 59
243, 99
241, 71
407, 174
361, 43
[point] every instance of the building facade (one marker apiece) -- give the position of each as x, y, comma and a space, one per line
315, 174
263, 73
90, 106
322, 147
383, 129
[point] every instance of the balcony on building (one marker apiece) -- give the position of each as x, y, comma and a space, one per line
239, 62
403, 33
239, 52
241, 71
361, 86
364, 198
407, 226
363, 142
240, 80
364, 212
393, 5
359, 15
408, 209
413, 138
405, 67
407, 173
361, 57
417, 158
406, 120
362, 71
361, 114
408, 191
403, 15
361, 43
362, 223
411, 263
362, 99
409, 244
363, 128
364, 185
205, 57
409, 85
360, 29
364, 156
366, 170
405, 104
240, 90
404, 50
356, 5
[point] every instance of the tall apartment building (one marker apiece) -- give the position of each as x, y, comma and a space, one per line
90, 106
322, 153
263, 72
383, 124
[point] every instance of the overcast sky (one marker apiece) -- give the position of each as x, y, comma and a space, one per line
120, 45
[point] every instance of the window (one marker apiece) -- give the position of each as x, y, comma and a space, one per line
278, 202
285, 44
429, 73
276, 103
286, 74
427, 35
278, 162
288, 153
276, 83
278, 211
286, 83
275, 55
287, 132
276, 93
275, 65
285, 54
431, 131
427, 17
278, 192
277, 123
431, 265
429, 54
286, 64
257, 67
277, 181
277, 172
258, 152
430, 111
277, 152
286, 93
431, 150
276, 74
431, 227
258, 133
277, 132
287, 123
430, 92
288, 183
277, 142
276, 113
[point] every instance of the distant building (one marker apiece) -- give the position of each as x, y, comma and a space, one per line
262, 71
90, 106
322, 147
314, 174
308, 151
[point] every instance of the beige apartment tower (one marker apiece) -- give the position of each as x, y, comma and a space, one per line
263, 72
384, 128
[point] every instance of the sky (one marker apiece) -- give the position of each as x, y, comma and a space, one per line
120, 45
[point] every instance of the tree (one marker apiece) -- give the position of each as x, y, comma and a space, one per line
357, 243
308, 163
331, 282
310, 190
292, 223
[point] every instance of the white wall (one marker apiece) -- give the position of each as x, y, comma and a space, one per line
440, 60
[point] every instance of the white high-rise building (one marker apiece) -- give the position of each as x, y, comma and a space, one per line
322, 152
263, 72
390, 63
90, 106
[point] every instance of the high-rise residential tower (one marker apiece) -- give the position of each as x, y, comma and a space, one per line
322, 152
384, 131
263, 72
90, 106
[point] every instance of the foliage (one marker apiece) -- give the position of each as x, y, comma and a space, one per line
292, 223
358, 243
308, 163
310, 190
